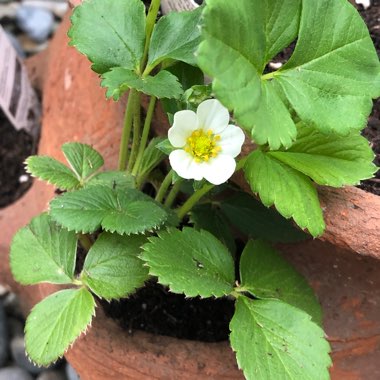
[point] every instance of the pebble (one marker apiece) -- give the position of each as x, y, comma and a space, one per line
51, 375
14, 373
37, 23
4, 338
20, 358
58, 7
70, 373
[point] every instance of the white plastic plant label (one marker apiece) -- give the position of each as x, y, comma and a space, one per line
18, 100
177, 5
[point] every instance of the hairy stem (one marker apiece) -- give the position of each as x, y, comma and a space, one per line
136, 131
150, 22
164, 187
194, 199
145, 135
126, 134
173, 193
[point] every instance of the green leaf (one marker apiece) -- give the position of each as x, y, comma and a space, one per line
112, 268
175, 36
88, 209
191, 262
330, 160
152, 156
43, 252
83, 159
120, 79
110, 33
165, 146
56, 322
257, 221
188, 76
236, 58
196, 95
274, 340
211, 219
329, 80
290, 191
332, 75
119, 180
52, 171
265, 274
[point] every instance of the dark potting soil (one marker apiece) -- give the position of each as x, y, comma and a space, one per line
154, 309
15, 147
372, 18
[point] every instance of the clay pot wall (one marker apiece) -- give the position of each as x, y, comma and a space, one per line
342, 266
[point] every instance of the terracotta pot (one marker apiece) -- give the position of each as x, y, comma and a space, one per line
341, 269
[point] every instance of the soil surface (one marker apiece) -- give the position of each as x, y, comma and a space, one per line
15, 147
154, 309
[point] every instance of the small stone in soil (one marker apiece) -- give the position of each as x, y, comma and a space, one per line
4, 338
51, 375
71, 373
37, 23
19, 356
14, 373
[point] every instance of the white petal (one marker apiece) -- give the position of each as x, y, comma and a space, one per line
184, 165
231, 140
185, 122
213, 115
219, 169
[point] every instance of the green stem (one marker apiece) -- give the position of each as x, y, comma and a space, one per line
85, 241
136, 131
269, 75
150, 22
173, 193
164, 186
145, 135
128, 118
193, 200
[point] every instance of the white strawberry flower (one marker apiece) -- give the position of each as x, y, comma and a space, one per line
207, 144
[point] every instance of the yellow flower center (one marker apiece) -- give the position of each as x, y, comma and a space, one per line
203, 145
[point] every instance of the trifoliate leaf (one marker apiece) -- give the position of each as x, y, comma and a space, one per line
175, 36
162, 85
329, 80
112, 268
110, 33
56, 322
210, 218
191, 262
257, 221
124, 212
43, 252
52, 171
265, 274
119, 180
274, 340
152, 156
330, 159
290, 191
83, 159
